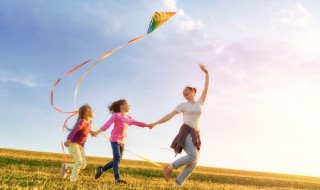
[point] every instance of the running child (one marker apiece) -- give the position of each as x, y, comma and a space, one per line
75, 143
121, 120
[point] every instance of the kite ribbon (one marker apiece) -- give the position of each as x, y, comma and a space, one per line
57, 82
157, 19
105, 55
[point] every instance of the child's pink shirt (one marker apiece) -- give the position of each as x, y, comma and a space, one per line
121, 123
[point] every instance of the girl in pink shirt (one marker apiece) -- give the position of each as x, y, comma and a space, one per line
121, 120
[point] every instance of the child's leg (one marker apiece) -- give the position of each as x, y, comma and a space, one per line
83, 158
101, 169
107, 166
117, 155
74, 150
110, 164
69, 165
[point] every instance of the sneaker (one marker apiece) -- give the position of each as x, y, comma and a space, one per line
98, 172
166, 173
177, 184
121, 181
64, 170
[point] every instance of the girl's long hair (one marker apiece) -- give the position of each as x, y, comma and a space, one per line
82, 114
115, 106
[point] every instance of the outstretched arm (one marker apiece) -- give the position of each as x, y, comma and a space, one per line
165, 118
206, 83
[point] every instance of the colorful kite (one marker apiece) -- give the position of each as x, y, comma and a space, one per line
157, 19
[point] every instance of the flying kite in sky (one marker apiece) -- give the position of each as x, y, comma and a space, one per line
157, 20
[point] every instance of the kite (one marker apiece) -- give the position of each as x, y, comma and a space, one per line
157, 20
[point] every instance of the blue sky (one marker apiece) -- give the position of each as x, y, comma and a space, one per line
263, 106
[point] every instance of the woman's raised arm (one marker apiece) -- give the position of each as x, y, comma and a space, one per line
206, 83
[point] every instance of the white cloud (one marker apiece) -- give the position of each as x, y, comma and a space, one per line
188, 23
297, 16
6, 77
297, 27
171, 4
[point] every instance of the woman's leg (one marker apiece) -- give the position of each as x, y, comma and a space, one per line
192, 154
190, 160
185, 173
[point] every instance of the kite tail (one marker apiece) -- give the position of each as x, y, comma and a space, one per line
158, 19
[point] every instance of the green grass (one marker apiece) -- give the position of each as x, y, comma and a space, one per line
21, 169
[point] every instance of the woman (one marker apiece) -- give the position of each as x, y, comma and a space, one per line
188, 137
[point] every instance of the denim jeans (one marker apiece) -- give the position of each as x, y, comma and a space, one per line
190, 160
117, 150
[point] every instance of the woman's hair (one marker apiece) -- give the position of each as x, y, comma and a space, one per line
115, 106
192, 88
82, 114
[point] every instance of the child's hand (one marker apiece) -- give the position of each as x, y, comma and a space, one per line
93, 133
67, 143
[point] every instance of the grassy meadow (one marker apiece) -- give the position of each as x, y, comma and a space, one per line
21, 169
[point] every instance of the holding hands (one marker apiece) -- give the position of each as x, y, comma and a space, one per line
93, 133
151, 125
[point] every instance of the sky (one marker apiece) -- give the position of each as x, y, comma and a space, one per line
263, 104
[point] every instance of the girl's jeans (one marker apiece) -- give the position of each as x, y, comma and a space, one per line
117, 150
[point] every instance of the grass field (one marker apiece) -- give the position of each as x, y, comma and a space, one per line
21, 169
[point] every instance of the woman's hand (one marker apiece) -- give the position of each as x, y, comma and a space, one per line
206, 83
151, 125
203, 68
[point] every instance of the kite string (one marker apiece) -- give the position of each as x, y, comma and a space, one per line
158, 19
73, 113
103, 56
142, 157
